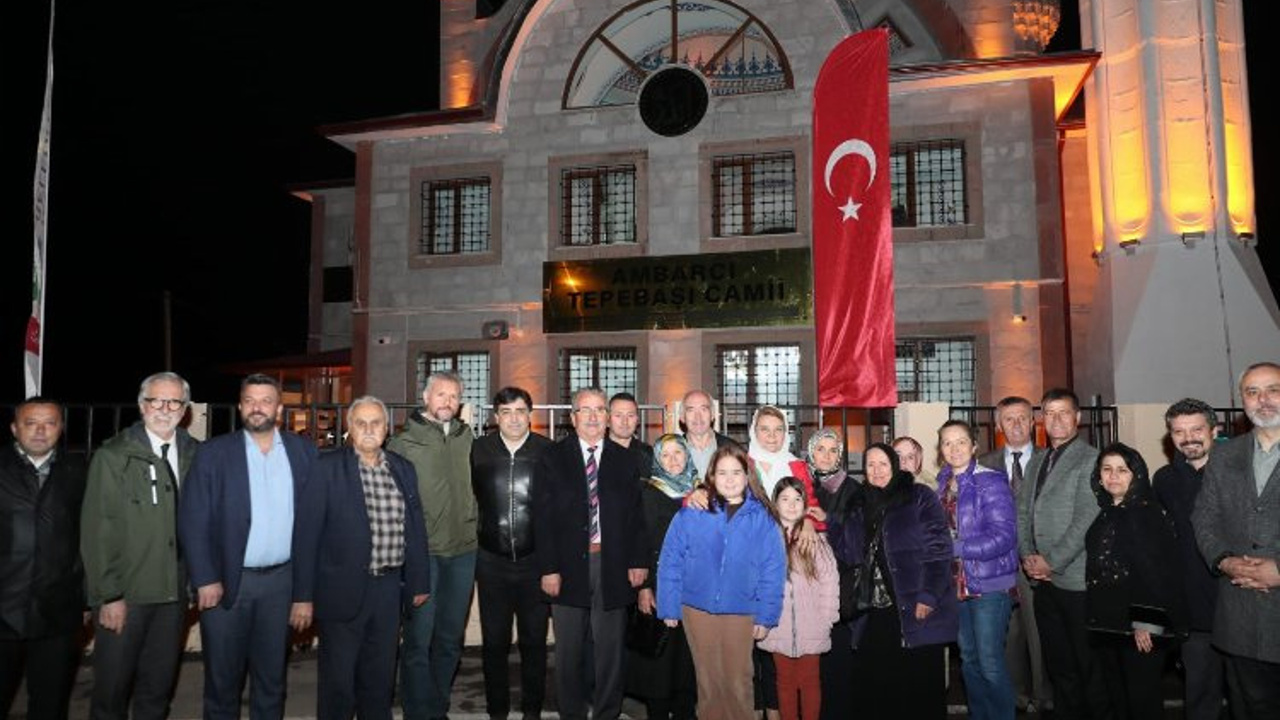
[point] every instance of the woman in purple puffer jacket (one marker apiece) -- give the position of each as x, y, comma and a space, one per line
984, 530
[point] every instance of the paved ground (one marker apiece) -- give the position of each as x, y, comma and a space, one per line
468, 693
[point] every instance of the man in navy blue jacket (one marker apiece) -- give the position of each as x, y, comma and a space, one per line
236, 526
360, 555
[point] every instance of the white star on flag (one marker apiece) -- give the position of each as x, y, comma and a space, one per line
850, 210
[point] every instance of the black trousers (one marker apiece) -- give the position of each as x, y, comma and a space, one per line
1078, 691
357, 663
836, 670
590, 645
1132, 678
892, 682
49, 664
141, 662
1205, 680
1253, 688
511, 589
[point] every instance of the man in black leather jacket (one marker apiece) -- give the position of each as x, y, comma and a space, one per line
41, 576
507, 576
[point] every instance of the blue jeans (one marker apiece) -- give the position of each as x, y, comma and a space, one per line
983, 622
432, 643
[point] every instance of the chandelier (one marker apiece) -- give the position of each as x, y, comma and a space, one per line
1036, 21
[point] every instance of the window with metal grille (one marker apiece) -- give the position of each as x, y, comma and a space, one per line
937, 370
472, 367
753, 194
927, 184
598, 205
748, 376
455, 216
613, 370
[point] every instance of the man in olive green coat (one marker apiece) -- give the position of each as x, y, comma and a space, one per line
129, 543
439, 446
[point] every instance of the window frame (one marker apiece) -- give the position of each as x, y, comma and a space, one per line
443, 173
976, 368
557, 166
709, 153
416, 349
970, 134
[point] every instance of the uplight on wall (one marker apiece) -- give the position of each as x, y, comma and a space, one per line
1192, 237
1019, 315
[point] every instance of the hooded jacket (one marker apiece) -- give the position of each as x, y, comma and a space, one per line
1131, 553
987, 527
128, 536
443, 463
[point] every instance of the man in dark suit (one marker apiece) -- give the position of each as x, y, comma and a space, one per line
624, 418
698, 416
236, 526
1056, 506
588, 540
1016, 420
360, 555
42, 592
1237, 524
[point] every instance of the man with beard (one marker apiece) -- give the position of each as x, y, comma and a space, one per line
1237, 526
698, 415
439, 446
1191, 424
134, 578
42, 593
1016, 421
236, 525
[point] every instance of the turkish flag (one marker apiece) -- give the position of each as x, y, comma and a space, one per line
852, 228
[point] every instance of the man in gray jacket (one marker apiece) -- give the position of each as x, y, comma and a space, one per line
1237, 524
1055, 508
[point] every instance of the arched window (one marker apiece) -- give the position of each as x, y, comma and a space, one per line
729, 46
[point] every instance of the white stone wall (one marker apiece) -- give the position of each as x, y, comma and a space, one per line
941, 282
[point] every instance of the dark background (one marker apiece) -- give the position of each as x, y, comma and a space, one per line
176, 132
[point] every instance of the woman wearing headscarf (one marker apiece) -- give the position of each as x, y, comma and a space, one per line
897, 531
1133, 589
826, 473
666, 682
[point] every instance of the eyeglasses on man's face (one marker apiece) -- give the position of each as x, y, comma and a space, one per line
170, 404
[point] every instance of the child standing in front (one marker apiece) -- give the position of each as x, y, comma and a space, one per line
810, 605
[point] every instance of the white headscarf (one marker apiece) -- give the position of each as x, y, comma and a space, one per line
770, 466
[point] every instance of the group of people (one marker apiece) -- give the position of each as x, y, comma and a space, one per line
777, 584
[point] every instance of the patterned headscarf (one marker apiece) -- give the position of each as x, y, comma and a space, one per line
677, 485
822, 434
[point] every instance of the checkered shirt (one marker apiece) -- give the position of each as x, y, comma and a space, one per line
385, 504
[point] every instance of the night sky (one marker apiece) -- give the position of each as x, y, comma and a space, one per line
177, 131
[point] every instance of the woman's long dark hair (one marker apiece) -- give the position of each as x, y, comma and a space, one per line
716, 501
1139, 491
796, 555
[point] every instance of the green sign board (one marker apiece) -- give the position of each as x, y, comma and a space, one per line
761, 287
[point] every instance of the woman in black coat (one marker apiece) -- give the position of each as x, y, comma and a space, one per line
666, 682
1134, 597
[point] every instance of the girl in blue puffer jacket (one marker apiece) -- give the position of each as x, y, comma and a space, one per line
721, 573
984, 528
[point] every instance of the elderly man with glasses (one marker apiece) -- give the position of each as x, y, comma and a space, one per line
134, 577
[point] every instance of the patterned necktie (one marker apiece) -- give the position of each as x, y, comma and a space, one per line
1015, 477
593, 493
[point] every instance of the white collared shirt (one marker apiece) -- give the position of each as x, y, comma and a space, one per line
1024, 460
172, 442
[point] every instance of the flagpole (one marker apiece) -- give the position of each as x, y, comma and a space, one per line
33, 357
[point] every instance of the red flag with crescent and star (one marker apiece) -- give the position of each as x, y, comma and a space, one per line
852, 228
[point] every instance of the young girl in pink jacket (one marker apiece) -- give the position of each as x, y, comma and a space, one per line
810, 605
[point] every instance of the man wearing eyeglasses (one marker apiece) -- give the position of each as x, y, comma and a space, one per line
236, 520
1237, 525
134, 576
588, 540
507, 577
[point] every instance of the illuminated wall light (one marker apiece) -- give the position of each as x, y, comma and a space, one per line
1130, 244
1191, 237
1245, 238
1019, 314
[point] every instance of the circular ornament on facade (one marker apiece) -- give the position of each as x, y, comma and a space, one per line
673, 101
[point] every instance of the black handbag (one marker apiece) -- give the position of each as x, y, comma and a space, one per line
858, 584
646, 634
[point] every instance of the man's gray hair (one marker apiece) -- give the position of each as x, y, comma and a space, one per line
449, 375
1256, 366
370, 400
577, 395
165, 376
